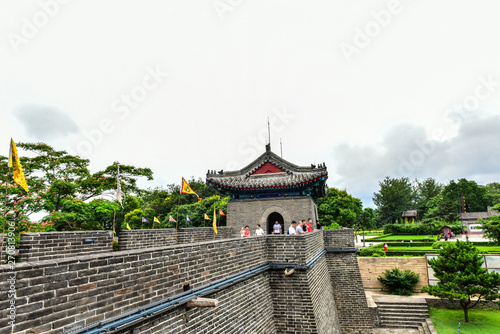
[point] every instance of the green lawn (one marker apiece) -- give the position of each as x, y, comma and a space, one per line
481, 321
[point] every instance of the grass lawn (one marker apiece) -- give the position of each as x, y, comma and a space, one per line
481, 321
482, 249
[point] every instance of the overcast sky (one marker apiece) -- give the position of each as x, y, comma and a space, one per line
372, 89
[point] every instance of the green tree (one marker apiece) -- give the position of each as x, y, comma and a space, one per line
475, 195
461, 277
440, 208
61, 185
492, 193
394, 197
491, 226
426, 190
339, 207
366, 221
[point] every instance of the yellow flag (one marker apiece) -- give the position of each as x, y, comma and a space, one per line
17, 170
207, 217
186, 189
155, 220
413, 221
215, 222
128, 227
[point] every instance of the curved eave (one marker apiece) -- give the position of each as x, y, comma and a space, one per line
296, 185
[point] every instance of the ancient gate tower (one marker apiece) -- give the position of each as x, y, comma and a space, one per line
270, 189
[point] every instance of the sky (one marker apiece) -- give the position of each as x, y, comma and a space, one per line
373, 89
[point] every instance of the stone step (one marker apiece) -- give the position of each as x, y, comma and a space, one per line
425, 328
414, 318
407, 305
421, 330
403, 311
400, 324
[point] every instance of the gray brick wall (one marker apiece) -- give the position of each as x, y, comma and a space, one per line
55, 245
350, 298
137, 239
68, 293
343, 237
74, 292
325, 310
243, 308
299, 249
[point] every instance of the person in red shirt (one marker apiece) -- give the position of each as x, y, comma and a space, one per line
247, 231
386, 248
309, 225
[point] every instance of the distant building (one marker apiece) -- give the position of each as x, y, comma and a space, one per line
470, 220
270, 189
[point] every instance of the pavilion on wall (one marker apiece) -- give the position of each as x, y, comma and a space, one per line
270, 189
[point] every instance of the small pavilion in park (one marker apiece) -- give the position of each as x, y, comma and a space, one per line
270, 189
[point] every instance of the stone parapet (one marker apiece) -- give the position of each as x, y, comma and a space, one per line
54, 245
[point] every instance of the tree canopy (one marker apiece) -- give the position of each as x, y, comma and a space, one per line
461, 277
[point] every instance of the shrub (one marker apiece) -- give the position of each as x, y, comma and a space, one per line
371, 252
115, 246
439, 244
399, 282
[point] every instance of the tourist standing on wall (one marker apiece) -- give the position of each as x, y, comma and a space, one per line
277, 228
292, 230
309, 225
247, 231
319, 226
242, 232
259, 231
299, 228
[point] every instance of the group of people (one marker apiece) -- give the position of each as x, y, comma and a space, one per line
295, 228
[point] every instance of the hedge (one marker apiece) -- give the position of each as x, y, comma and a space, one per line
418, 229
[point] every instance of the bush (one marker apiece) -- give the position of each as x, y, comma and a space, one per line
370, 251
439, 244
399, 282
333, 226
115, 246
418, 228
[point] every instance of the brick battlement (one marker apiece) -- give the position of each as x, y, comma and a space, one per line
59, 295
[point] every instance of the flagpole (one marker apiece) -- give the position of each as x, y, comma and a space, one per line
177, 220
4, 214
114, 216
5, 201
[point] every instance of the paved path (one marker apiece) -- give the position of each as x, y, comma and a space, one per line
395, 331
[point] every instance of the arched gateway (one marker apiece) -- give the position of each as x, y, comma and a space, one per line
270, 189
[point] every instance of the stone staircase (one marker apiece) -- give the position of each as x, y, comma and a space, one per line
407, 313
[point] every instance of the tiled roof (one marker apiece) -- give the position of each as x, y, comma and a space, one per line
269, 172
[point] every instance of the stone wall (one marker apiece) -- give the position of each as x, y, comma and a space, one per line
298, 249
323, 295
343, 237
253, 211
70, 293
137, 239
324, 307
350, 298
372, 267
55, 245
243, 308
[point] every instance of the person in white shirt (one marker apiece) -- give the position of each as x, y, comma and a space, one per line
292, 230
259, 231
277, 228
